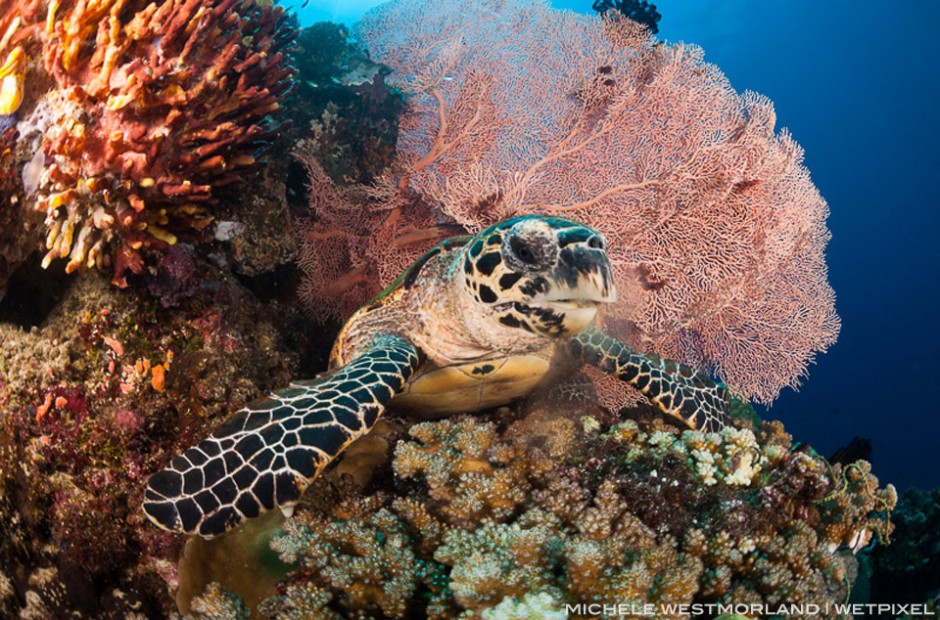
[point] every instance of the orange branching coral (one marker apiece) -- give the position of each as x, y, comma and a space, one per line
152, 107
17, 25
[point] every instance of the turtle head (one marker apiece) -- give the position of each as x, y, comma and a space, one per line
539, 274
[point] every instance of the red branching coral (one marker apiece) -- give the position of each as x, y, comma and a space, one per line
152, 106
717, 232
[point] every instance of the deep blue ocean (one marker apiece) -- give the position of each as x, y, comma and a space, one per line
857, 82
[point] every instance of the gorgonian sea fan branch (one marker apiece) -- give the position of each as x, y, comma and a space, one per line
717, 232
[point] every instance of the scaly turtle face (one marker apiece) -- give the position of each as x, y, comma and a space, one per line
544, 275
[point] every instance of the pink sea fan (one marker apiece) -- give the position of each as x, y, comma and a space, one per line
717, 232
356, 241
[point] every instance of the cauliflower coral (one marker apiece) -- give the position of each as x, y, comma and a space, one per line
616, 513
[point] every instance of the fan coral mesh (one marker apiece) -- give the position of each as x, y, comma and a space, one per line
717, 233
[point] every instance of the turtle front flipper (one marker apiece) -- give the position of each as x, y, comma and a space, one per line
266, 454
675, 388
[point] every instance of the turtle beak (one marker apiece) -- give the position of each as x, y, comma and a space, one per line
582, 274
581, 282
572, 316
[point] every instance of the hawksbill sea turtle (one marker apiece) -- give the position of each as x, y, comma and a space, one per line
476, 322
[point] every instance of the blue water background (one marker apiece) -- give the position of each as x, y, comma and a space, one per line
858, 85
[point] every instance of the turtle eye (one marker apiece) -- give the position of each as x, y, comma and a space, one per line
522, 251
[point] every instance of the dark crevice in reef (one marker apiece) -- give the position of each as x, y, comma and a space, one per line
33, 293
280, 284
277, 291
298, 192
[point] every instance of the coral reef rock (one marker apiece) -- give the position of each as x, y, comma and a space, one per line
92, 401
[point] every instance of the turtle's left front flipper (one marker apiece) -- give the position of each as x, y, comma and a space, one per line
675, 388
266, 454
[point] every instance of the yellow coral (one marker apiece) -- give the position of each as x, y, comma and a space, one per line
12, 79
465, 467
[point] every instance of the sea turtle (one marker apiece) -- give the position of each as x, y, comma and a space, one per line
476, 322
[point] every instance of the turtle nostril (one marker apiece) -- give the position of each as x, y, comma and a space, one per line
596, 243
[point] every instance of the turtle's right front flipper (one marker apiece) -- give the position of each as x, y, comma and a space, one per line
678, 390
265, 455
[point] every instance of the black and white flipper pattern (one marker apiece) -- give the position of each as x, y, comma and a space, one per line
678, 390
265, 455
